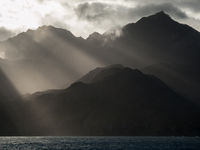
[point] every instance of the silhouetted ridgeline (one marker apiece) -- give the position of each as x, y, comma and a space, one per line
118, 101
56, 58
163, 99
114, 100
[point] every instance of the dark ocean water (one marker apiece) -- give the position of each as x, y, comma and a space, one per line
99, 143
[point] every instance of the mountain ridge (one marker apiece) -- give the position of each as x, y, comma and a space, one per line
117, 105
58, 57
159, 98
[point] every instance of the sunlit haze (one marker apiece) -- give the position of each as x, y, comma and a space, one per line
52, 58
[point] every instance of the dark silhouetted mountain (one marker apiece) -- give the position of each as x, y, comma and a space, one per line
114, 100
117, 101
50, 57
99, 74
182, 78
9, 100
16, 116
156, 40
7, 90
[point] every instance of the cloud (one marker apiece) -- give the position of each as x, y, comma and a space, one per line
83, 17
100, 11
153, 8
193, 5
5, 34
92, 11
106, 16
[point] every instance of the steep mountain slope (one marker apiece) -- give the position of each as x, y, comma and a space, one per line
123, 102
158, 38
99, 74
9, 100
165, 48
7, 90
16, 117
184, 79
50, 57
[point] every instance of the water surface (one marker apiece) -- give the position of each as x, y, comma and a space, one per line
100, 143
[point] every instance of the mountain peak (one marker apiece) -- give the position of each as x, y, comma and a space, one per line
159, 21
161, 13
95, 36
101, 72
115, 66
45, 27
158, 17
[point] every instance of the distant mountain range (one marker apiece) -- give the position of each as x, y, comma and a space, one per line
55, 58
161, 98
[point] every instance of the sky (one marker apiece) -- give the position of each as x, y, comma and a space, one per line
83, 17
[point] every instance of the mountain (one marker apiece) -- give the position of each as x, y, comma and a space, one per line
117, 101
158, 38
99, 74
16, 116
7, 90
160, 46
113, 100
184, 79
52, 58
9, 100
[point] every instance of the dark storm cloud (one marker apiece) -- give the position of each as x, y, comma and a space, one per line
153, 8
189, 4
102, 15
97, 12
5, 34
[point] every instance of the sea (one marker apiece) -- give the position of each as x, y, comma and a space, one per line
99, 143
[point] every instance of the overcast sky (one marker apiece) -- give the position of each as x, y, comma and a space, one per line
83, 17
